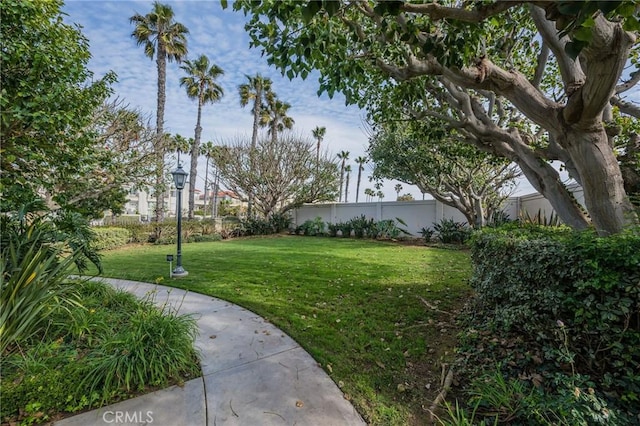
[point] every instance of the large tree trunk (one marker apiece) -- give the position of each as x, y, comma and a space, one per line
604, 194
195, 153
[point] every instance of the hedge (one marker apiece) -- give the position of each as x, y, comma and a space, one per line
554, 300
110, 237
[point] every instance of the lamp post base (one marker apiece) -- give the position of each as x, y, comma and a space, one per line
179, 272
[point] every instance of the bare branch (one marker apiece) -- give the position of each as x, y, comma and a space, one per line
543, 57
626, 107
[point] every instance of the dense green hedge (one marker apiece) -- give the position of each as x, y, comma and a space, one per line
551, 300
110, 237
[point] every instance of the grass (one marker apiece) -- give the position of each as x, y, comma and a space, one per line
378, 316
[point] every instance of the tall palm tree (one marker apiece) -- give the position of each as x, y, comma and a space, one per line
369, 193
319, 133
206, 150
254, 90
177, 143
275, 116
165, 39
361, 162
343, 155
200, 83
398, 188
347, 170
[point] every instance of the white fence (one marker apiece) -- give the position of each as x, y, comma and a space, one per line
418, 214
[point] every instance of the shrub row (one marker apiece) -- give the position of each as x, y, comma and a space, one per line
553, 303
110, 237
359, 227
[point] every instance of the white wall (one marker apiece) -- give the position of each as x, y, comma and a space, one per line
419, 214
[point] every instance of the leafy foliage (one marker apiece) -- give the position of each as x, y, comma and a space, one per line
451, 232
280, 174
110, 237
47, 101
437, 160
499, 73
91, 354
563, 307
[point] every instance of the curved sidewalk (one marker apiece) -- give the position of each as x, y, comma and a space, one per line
252, 375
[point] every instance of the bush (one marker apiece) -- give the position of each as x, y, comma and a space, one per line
388, 229
315, 227
139, 232
110, 238
363, 227
452, 232
427, 234
554, 301
95, 354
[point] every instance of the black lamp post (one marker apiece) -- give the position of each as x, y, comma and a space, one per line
179, 179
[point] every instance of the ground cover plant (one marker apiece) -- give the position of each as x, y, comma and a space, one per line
377, 316
555, 322
109, 346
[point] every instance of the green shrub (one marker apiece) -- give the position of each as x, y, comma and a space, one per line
280, 222
155, 347
345, 229
110, 237
206, 238
32, 285
451, 232
315, 227
388, 229
554, 301
138, 232
363, 227
97, 353
427, 234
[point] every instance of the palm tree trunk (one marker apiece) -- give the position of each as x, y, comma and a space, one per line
206, 185
161, 62
254, 141
195, 153
358, 184
346, 190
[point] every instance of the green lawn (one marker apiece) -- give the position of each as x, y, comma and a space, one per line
357, 306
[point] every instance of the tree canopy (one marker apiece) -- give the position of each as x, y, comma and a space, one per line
454, 173
47, 104
529, 81
280, 174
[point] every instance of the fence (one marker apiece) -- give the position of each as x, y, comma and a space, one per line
419, 214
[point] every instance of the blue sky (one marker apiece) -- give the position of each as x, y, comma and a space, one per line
220, 35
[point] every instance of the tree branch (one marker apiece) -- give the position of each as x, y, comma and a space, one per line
436, 11
628, 108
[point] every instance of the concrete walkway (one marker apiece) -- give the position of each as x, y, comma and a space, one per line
253, 375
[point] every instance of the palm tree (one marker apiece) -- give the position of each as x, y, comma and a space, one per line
347, 170
165, 39
275, 116
369, 193
361, 161
319, 133
254, 90
380, 195
177, 143
343, 155
200, 83
398, 188
207, 150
